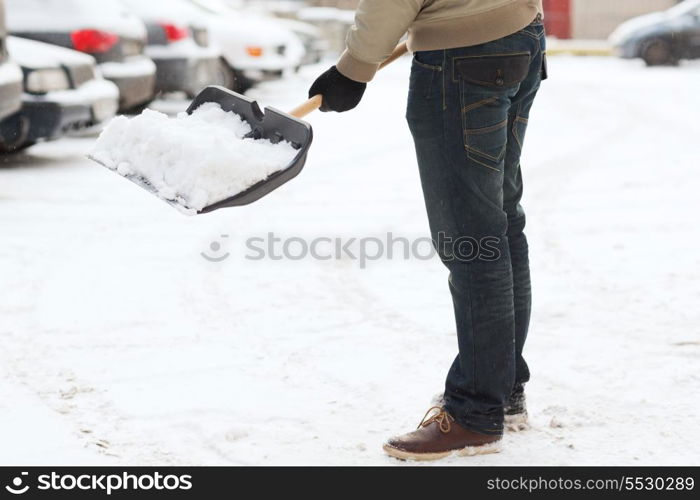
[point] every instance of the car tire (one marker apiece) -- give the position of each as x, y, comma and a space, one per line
225, 75
16, 129
236, 80
21, 147
135, 110
659, 53
242, 84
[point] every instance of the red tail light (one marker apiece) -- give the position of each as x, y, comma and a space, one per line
175, 32
93, 41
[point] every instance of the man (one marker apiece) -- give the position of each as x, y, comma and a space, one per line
476, 69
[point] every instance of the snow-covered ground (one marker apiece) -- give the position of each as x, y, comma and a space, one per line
121, 344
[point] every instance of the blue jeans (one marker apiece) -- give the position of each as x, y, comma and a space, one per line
468, 110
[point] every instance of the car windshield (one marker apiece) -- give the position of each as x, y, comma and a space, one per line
683, 8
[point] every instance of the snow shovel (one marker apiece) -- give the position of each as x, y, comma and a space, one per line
272, 124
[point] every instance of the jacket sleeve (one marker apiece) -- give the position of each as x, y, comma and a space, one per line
379, 25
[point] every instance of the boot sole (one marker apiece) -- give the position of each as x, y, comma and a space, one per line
469, 451
516, 423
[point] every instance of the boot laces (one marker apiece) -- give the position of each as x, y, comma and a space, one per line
440, 417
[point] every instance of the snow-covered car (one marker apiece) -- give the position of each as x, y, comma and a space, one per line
10, 88
63, 92
103, 29
315, 45
334, 23
179, 45
256, 48
661, 38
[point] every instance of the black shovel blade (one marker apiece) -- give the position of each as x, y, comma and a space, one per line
272, 124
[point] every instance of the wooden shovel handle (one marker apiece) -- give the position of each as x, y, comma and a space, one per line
307, 107
399, 51
316, 101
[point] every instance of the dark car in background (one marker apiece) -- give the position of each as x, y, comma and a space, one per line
10, 87
661, 38
102, 28
63, 93
179, 45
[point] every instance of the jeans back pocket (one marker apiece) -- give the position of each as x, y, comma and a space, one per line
486, 84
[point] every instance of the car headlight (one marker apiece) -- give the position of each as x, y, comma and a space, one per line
41, 81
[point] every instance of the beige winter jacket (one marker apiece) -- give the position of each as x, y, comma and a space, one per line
431, 25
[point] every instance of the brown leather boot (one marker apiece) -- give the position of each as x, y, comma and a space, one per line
439, 436
515, 414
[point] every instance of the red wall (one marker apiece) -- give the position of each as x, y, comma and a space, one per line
557, 18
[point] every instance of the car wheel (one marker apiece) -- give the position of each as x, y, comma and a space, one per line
135, 110
242, 84
659, 53
19, 148
224, 75
235, 79
14, 136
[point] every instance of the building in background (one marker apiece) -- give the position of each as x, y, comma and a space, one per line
585, 19
595, 19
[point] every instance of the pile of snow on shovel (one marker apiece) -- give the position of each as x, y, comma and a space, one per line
193, 160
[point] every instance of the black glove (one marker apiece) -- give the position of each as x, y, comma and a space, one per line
340, 93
